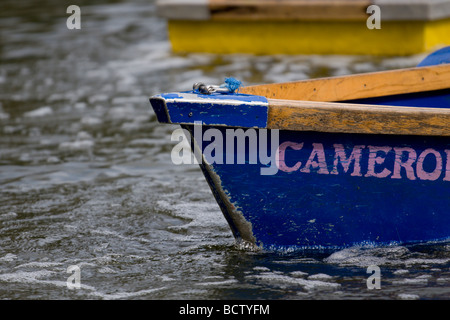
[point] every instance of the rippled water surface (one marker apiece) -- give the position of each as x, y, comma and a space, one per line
86, 177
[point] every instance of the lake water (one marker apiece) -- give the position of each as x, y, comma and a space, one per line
86, 177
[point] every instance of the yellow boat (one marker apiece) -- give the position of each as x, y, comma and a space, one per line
368, 27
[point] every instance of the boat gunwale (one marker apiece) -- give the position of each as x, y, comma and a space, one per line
357, 118
319, 104
358, 86
303, 10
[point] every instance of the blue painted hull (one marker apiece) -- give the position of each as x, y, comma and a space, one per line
326, 190
317, 199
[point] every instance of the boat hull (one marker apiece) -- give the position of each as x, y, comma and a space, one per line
307, 37
307, 27
333, 190
326, 163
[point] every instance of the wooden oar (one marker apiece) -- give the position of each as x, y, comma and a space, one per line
358, 86
357, 118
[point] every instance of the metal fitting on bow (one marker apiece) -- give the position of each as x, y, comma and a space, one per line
208, 89
230, 86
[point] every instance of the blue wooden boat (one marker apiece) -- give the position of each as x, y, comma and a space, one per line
326, 163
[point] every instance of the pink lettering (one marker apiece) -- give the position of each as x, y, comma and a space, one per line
447, 167
321, 163
399, 163
424, 175
281, 151
374, 158
429, 165
341, 157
